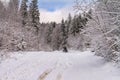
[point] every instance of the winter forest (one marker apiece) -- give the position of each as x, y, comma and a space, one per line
94, 28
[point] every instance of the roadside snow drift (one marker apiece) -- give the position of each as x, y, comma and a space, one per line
74, 65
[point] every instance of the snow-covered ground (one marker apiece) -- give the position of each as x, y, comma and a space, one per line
74, 65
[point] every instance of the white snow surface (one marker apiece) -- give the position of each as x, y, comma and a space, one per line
57, 65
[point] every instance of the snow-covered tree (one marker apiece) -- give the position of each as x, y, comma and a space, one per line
2, 11
64, 36
108, 15
48, 33
34, 20
24, 12
69, 23
12, 9
34, 15
78, 23
103, 28
74, 29
56, 38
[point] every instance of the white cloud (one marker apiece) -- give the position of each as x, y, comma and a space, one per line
57, 16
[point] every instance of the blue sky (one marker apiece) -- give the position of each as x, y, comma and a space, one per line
56, 10
52, 5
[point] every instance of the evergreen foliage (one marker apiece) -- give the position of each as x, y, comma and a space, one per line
12, 9
64, 36
34, 14
24, 12
2, 11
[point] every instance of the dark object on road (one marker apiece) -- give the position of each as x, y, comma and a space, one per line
65, 49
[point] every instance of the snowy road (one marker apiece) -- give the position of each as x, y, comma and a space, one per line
74, 65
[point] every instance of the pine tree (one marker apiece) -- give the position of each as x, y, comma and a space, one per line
2, 11
13, 9
56, 38
74, 26
49, 32
34, 15
69, 21
78, 24
14, 5
64, 36
24, 12
69, 18
34, 20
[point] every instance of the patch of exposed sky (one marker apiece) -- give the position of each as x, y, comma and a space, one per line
56, 10
52, 5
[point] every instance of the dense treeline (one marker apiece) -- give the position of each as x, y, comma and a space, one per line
66, 34
21, 29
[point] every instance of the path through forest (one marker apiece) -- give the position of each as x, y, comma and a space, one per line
57, 65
